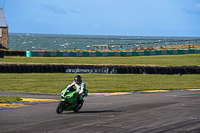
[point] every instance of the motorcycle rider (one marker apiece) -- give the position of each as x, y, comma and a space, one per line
80, 87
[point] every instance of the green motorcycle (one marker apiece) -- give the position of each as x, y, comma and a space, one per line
69, 100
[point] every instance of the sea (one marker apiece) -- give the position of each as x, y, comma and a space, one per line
28, 41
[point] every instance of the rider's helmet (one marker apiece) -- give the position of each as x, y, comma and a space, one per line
77, 79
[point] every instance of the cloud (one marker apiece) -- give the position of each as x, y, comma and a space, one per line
193, 10
53, 8
74, 11
197, 5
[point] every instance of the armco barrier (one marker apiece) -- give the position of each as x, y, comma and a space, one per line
13, 68
97, 54
105, 54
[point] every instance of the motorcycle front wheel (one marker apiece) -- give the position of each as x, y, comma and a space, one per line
59, 108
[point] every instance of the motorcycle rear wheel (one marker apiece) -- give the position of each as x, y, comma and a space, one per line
59, 108
76, 109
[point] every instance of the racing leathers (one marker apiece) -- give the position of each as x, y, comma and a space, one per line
79, 88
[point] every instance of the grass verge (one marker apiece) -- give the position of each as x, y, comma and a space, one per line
157, 60
6, 99
55, 82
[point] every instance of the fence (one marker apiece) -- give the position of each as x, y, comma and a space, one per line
150, 45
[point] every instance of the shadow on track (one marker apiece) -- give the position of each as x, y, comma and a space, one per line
94, 112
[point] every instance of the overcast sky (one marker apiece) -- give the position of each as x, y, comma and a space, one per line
104, 17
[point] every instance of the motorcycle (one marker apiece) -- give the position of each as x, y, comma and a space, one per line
69, 100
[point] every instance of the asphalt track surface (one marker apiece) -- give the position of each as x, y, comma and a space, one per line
173, 111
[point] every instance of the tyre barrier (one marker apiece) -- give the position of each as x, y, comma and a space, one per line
14, 53
14, 68
1, 54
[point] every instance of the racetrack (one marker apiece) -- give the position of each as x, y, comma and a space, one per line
173, 111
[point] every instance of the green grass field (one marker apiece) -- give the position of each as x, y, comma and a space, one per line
55, 82
6, 99
157, 60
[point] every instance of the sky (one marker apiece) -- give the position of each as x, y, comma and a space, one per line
104, 17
